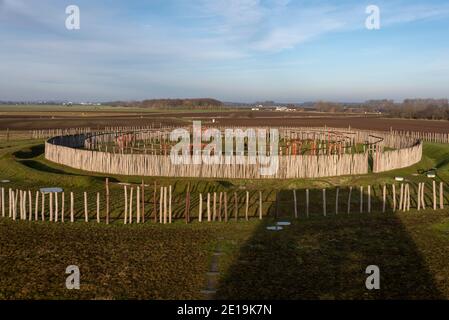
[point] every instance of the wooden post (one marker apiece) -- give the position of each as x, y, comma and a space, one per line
226, 206
43, 207
260, 204
384, 198
441, 196
247, 205
36, 207
138, 204
337, 193
98, 207
423, 203
200, 208
295, 205
324, 202
56, 207
369, 199
220, 206
143, 200
307, 202
21, 204
401, 197
72, 216
86, 213
161, 202
408, 197
3, 202
208, 207
131, 194
155, 202
236, 207
62, 207
165, 205
107, 200
125, 218
169, 205
394, 197
51, 206
434, 195
214, 207
30, 206
419, 197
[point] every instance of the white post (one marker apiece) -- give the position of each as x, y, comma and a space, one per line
200, 209
86, 214
72, 214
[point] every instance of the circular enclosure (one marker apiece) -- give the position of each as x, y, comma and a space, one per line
290, 152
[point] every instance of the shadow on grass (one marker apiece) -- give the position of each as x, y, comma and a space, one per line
326, 258
30, 153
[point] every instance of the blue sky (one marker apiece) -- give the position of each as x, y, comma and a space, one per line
232, 50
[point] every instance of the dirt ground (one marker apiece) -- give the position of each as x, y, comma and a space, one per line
47, 120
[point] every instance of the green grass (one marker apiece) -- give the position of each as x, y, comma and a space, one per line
315, 258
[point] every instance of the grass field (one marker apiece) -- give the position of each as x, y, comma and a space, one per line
315, 258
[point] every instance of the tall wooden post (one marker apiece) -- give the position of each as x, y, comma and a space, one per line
131, 192
208, 207
434, 195
36, 207
56, 207
143, 200
107, 200
98, 207
165, 205
247, 205
169, 205
394, 197
138, 204
384, 198
369, 199
72, 215
214, 207
260, 204
62, 207
3, 202
43, 207
236, 206
161, 202
86, 214
30, 205
155, 202
125, 219
226, 206
220, 206
51, 206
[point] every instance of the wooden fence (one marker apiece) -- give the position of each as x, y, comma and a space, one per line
66, 150
159, 204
